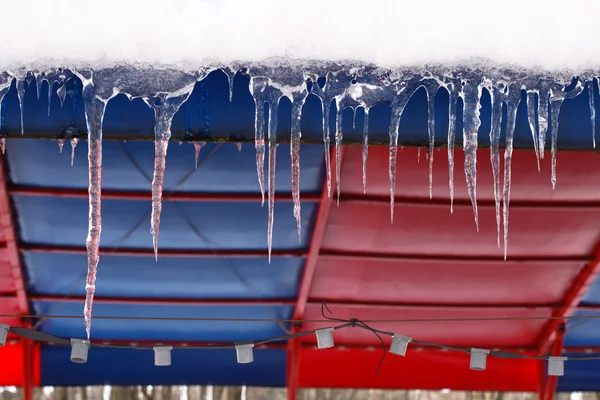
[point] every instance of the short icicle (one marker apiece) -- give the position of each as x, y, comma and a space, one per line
61, 143
74, 143
533, 125
590, 86
197, 147
497, 94
365, 149
471, 94
238, 145
3, 145
512, 104
94, 114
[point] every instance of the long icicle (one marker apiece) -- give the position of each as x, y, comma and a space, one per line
94, 114
533, 125
164, 110
338, 150
296, 135
431, 90
451, 139
555, 105
592, 110
21, 96
497, 96
511, 108
471, 122
259, 145
365, 149
326, 106
273, 106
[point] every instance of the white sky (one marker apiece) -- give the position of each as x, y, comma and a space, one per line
533, 33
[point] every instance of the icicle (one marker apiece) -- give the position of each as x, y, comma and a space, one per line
62, 92
365, 149
325, 107
471, 94
533, 125
259, 137
74, 142
431, 86
239, 146
451, 138
592, 110
543, 117
3, 145
164, 110
94, 113
296, 134
419, 155
272, 161
61, 143
511, 105
50, 84
339, 135
21, 96
497, 93
353, 118
39, 79
555, 105
197, 147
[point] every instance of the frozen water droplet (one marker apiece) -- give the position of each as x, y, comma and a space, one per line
74, 142
365, 150
61, 143
239, 146
197, 147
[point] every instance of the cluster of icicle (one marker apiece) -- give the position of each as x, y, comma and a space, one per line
165, 90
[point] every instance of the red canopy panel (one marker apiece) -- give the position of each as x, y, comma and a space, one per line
428, 370
412, 177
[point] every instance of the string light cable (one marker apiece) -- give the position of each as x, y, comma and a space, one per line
324, 337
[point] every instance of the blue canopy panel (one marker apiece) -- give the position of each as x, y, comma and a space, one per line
136, 367
163, 328
583, 332
125, 118
184, 225
170, 278
129, 166
580, 376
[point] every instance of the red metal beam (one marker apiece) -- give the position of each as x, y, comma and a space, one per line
310, 266
9, 237
551, 381
144, 195
199, 253
582, 282
169, 302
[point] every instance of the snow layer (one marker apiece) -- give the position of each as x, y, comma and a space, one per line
190, 33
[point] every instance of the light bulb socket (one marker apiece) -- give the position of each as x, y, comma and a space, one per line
556, 366
399, 344
478, 359
245, 353
162, 355
324, 338
79, 350
4, 329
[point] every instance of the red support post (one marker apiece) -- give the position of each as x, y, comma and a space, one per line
584, 280
310, 266
28, 368
551, 381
